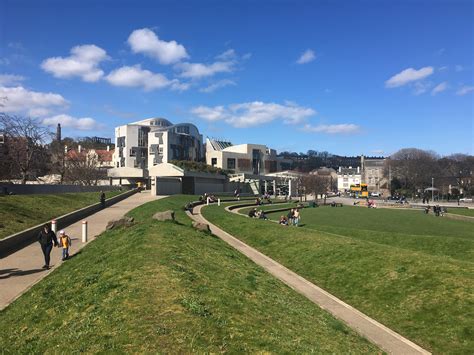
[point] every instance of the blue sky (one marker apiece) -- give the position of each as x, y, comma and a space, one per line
349, 77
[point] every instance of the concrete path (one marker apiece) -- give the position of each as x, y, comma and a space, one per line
22, 269
385, 338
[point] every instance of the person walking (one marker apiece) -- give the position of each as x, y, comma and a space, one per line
296, 217
102, 199
65, 242
46, 238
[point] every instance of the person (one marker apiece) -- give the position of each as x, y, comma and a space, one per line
253, 213
296, 217
65, 242
290, 217
102, 199
283, 221
262, 215
46, 238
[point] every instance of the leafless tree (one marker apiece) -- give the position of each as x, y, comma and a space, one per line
316, 185
83, 169
24, 143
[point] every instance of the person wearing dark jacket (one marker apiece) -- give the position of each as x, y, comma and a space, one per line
47, 238
102, 199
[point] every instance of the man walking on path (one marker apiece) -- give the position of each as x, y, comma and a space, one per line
46, 238
102, 199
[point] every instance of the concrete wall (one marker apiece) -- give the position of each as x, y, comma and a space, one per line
18, 189
19, 240
168, 186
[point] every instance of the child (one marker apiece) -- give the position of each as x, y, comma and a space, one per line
65, 242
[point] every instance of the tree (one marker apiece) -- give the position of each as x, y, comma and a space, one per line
83, 168
316, 185
24, 146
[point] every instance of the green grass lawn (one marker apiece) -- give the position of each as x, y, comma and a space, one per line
410, 271
162, 287
462, 211
19, 212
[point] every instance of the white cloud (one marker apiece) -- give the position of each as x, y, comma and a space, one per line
439, 88
306, 57
254, 113
407, 76
421, 87
83, 62
458, 68
137, 77
145, 41
443, 68
464, 90
199, 70
227, 55
10, 79
23, 101
66, 121
220, 84
343, 128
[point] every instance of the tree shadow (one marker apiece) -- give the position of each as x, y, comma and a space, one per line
16, 272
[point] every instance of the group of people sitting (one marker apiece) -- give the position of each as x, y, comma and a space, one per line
291, 219
254, 213
204, 197
437, 210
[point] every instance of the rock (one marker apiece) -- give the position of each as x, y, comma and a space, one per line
164, 216
121, 222
201, 227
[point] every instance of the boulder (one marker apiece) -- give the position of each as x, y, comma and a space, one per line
203, 227
121, 222
164, 216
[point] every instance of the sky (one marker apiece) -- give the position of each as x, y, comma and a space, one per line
348, 77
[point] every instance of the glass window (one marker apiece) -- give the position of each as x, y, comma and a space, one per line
231, 163
214, 161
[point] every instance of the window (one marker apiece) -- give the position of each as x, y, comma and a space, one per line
182, 129
160, 151
132, 152
231, 163
214, 161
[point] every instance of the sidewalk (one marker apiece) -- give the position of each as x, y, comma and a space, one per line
377, 333
22, 269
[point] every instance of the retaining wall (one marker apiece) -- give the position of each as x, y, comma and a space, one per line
21, 239
19, 189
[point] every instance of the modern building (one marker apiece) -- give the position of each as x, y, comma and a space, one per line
141, 145
253, 159
347, 177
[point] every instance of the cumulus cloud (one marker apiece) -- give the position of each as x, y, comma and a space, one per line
66, 121
439, 88
307, 56
408, 76
145, 41
343, 128
33, 103
83, 62
255, 113
10, 79
227, 55
464, 90
135, 76
218, 85
200, 70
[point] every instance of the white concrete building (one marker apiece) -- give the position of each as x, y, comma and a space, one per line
347, 177
144, 144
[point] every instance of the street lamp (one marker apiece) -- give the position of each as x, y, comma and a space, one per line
432, 189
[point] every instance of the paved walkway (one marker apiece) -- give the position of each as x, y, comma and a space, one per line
369, 328
22, 269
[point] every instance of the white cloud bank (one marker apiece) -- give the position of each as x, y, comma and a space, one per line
306, 57
464, 90
135, 76
83, 62
407, 76
66, 121
200, 70
10, 79
439, 88
145, 41
254, 113
343, 128
218, 85
19, 100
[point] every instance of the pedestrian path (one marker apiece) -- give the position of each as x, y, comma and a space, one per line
22, 269
385, 338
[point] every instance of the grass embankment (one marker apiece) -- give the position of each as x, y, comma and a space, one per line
164, 287
412, 272
461, 211
19, 212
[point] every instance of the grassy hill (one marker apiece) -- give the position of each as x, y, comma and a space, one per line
410, 271
19, 212
164, 287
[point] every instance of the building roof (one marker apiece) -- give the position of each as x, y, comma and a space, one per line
219, 144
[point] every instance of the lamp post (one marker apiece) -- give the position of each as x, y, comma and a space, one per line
432, 189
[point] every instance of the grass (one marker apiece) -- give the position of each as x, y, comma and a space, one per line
410, 271
19, 212
165, 287
462, 211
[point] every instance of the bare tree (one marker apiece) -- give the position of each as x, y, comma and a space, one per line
83, 168
316, 185
24, 139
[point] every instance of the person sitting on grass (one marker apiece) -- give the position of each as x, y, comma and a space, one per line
262, 215
283, 221
253, 213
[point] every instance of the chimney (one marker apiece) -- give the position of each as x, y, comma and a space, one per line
358, 169
79, 148
58, 132
108, 148
65, 149
340, 169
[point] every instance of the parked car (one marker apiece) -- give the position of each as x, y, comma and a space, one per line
375, 194
465, 199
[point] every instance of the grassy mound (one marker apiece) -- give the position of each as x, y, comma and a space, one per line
410, 271
19, 212
164, 287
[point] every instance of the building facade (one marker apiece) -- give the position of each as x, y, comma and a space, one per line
373, 174
347, 177
144, 144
